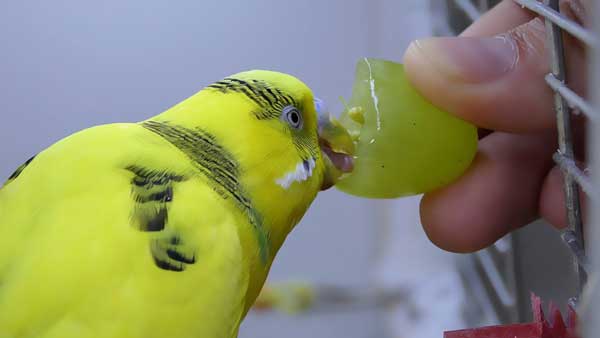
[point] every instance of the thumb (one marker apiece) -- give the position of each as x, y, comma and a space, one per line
494, 82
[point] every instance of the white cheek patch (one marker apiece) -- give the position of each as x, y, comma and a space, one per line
303, 171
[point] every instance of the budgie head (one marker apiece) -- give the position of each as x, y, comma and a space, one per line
284, 145
313, 146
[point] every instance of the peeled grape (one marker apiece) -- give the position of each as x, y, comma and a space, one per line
404, 144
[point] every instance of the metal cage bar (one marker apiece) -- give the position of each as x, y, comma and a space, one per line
573, 235
576, 102
564, 100
551, 13
591, 324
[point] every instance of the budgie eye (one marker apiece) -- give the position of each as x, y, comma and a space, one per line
292, 116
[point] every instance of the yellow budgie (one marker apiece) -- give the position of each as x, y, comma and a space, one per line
165, 228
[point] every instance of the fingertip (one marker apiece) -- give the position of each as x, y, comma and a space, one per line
448, 229
498, 193
410, 53
415, 66
469, 214
552, 200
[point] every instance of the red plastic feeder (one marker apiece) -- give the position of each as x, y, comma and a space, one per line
540, 328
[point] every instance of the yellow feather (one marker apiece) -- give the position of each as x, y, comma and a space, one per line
73, 266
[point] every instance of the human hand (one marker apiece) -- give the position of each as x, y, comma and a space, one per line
493, 76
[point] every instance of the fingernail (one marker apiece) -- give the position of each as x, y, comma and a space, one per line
470, 60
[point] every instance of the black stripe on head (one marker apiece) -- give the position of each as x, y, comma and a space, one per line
270, 101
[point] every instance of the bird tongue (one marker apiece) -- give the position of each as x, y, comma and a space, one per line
337, 163
342, 162
336, 144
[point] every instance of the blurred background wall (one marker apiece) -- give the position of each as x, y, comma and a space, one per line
66, 65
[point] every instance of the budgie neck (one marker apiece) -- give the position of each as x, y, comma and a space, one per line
244, 159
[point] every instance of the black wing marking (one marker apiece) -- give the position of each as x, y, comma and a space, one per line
152, 191
172, 253
19, 170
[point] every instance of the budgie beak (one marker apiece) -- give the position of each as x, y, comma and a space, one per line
336, 145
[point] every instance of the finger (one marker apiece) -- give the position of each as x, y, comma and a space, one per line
502, 18
576, 10
497, 194
552, 200
494, 82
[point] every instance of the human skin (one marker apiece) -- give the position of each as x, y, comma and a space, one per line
493, 76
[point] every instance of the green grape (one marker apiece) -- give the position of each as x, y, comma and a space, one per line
405, 145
